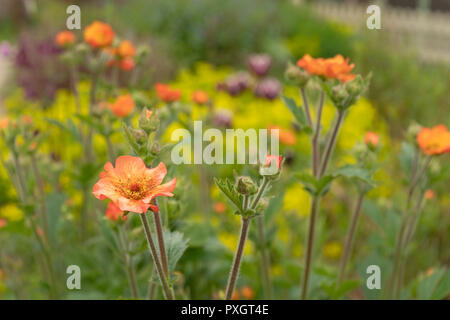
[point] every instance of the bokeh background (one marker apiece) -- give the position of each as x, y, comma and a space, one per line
196, 45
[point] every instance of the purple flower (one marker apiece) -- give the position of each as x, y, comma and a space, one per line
237, 83
268, 88
223, 118
259, 64
6, 49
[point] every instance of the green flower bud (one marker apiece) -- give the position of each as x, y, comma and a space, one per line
246, 186
148, 121
299, 76
139, 136
262, 205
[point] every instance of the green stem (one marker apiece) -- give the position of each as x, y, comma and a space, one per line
309, 245
237, 259
168, 294
350, 236
306, 105
315, 139
265, 259
41, 190
331, 143
110, 147
162, 248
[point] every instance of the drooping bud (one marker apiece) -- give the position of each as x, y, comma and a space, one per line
246, 186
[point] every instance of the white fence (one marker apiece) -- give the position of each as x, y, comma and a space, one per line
425, 32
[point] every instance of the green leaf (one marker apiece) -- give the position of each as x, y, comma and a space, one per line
313, 186
407, 157
230, 192
298, 113
354, 172
175, 244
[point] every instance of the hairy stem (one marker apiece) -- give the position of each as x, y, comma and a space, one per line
315, 138
306, 105
265, 260
309, 245
162, 247
331, 143
168, 294
237, 259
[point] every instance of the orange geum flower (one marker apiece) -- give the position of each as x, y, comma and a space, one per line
65, 38
338, 67
371, 139
126, 49
113, 212
131, 185
220, 207
166, 93
2, 223
272, 158
434, 141
200, 97
99, 34
4, 123
315, 66
123, 106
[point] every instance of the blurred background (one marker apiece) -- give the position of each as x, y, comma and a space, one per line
197, 44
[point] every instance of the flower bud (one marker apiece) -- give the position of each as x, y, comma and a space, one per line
139, 136
262, 205
259, 64
299, 76
156, 148
246, 186
148, 121
268, 88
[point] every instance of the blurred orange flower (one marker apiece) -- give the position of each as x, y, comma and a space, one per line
247, 293
2, 223
219, 207
126, 64
333, 68
99, 34
4, 123
166, 93
123, 106
113, 212
429, 194
371, 139
286, 137
126, 49
235, 295
65, 38
131, 185
434, 141
200, 97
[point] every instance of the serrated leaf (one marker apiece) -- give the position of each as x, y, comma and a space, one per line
313, 186
69, 127
176, 245
228, 190
354, 172
92, 122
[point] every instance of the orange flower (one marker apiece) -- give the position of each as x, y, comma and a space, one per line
286, 137
126, 49
126, 64
166, 93
338, 67
247, 293
220, 207
4, 123
312, 65
371, 139
131, 185
2, 223
65, 38
429, 194
200, 97
434, 141
123, 106
148, 114
333, 68
113, 212
235, 295
99, 34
